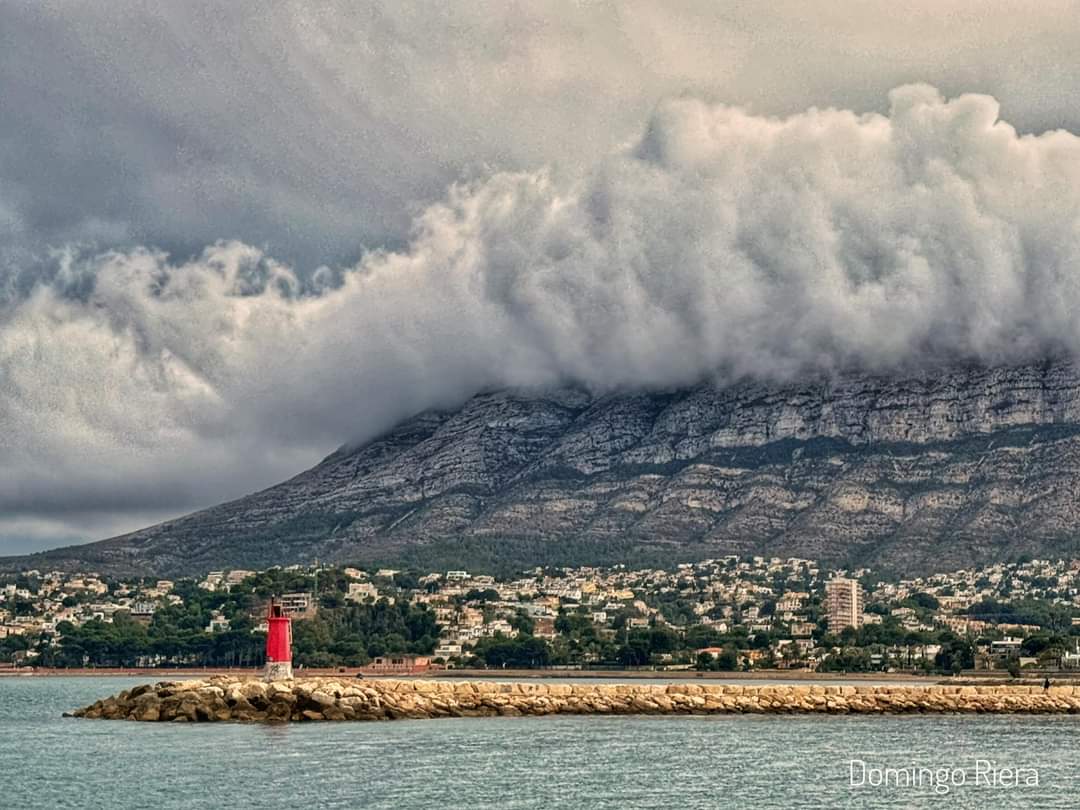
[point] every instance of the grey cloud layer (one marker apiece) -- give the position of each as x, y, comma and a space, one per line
312, 129
720, 243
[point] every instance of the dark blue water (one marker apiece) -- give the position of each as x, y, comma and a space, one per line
573, 762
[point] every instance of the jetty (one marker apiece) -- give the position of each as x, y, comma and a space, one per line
224, 698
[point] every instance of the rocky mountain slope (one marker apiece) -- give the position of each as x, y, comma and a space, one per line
930, 472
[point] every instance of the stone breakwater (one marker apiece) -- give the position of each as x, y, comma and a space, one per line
225, 698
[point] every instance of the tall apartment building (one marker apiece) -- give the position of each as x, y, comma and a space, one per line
844, 604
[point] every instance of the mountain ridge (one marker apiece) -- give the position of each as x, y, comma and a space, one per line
916, 472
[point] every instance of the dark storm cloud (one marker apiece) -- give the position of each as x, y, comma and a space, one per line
602, 235
315, 129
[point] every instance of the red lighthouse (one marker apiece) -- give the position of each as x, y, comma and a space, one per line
278, 643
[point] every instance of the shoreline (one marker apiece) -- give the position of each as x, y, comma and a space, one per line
683, 674
982, 678
484, 674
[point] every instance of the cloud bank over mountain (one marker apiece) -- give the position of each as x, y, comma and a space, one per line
719, 243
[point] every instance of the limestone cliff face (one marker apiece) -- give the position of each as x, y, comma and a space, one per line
918, 473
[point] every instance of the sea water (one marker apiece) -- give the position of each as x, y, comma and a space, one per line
752, 761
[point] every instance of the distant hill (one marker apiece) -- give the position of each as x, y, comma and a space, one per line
921, 473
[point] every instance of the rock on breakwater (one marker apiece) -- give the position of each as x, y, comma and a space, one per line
226, 698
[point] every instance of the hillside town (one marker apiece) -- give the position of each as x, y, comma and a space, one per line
733, 614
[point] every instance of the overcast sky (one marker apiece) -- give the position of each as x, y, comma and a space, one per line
235, 235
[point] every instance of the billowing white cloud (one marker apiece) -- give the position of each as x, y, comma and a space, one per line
718, 244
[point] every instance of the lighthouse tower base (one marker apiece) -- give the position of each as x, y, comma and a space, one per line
278, 671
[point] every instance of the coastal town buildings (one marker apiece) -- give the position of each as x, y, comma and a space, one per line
726, 612
844, 604
299, 605
399, 664
361, 591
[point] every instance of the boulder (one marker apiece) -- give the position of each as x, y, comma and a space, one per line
321, 698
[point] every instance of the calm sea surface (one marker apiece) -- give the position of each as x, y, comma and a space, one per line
557, 762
